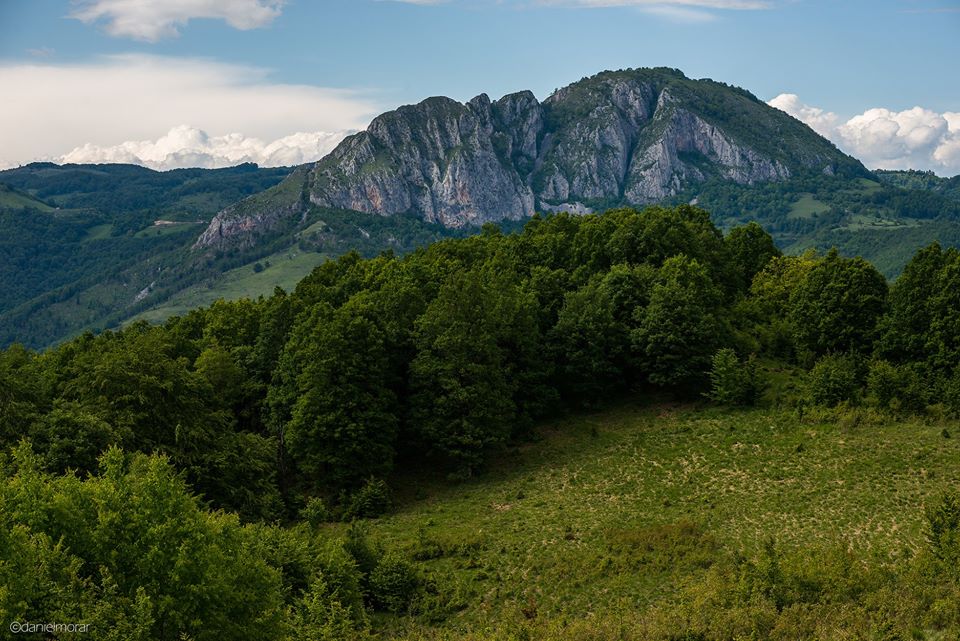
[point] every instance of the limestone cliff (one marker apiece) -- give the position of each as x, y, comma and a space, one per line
627, 137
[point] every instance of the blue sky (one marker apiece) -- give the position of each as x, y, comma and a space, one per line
109, 73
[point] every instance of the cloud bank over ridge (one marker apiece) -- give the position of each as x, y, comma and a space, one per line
186, 146
915, 138
110, 106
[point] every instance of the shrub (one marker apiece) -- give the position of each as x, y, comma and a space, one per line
393, 583
951, 394
833, 379
943, 530
369, 502
733, 382
898, 387
358, 546
315, 511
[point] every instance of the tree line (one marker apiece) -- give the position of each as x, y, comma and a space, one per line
443, 356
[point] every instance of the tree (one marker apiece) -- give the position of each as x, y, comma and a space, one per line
751, 249
680, 329
133, 546
905, 329
343, 423
588, 345
462, 400
733, 382
837, 306
943, 338
22, 394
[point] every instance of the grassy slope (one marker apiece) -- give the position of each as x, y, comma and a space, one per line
286, 269
807, 207
574, 523
12, 199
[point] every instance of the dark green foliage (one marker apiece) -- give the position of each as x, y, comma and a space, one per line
315, 511
591, 345
751, 249
900, 387
344, 420
734, 382
22, 393
835, 378
943, 531
837, 306
679, 330
71, 437
904, 331
369, 501
462, 400
393, 583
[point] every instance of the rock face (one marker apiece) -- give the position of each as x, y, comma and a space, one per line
627, 137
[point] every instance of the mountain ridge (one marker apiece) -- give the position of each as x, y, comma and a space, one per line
629, 137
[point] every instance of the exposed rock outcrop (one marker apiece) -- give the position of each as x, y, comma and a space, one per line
627, 137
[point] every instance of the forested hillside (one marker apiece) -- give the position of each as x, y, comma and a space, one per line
109, 242
287, 414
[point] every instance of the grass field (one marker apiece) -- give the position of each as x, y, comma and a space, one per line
807, 207
586, 522
286, 269
860, 222
10, 199
153, 231
98, 232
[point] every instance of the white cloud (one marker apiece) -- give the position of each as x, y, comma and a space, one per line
136, 98
693, 4
915, 138
186, 146
151, 20
822, 122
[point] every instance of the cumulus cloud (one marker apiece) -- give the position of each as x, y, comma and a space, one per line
915, 138
151, 20
186, 146
137, 98
822, 122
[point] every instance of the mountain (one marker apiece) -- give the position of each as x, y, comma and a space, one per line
94, 246
630, 137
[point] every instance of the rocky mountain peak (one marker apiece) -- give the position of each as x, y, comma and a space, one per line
619, 137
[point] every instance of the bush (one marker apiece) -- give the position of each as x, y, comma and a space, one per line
943, 530
733, 382
834, 379
951, 394
315, 511
393, 583
897, 387
369, 502
365, 555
